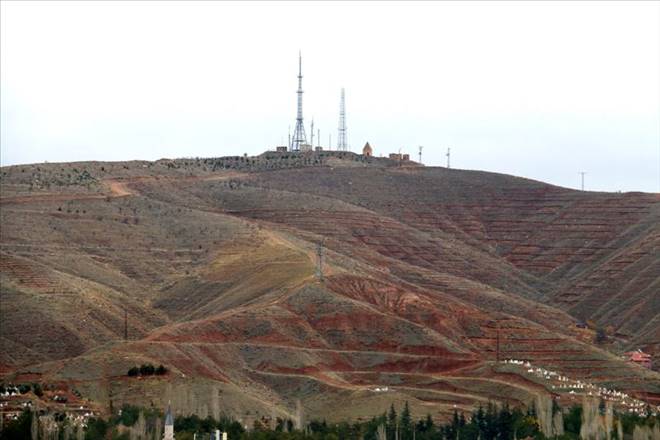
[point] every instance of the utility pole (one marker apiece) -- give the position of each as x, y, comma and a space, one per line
420, 154
497, 347
582, 173
311, 142
448, 156
319, 267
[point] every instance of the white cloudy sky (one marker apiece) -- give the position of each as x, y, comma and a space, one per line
542, 90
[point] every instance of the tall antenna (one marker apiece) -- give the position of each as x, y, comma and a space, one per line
299, 138
311, 131
448, 156
582, 173
420, 153
342, 145
318, 138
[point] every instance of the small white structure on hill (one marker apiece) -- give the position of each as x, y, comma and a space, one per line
217, 435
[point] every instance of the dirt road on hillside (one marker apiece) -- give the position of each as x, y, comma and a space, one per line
117, 188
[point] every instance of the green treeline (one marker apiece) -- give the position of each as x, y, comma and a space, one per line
491, 422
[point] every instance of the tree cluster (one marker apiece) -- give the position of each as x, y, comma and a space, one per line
147, 370
491, 422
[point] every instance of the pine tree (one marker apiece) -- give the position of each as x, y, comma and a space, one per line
490, 428
406, 423
428, 425
391, 423
505, 423
479, 418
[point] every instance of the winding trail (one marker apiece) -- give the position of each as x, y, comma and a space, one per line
116, 188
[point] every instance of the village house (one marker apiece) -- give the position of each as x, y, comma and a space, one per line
639, 357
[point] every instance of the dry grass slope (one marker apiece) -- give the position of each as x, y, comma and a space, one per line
213, 263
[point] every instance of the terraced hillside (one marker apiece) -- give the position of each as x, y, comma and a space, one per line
426, 271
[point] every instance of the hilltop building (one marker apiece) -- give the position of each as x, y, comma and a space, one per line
168, 434
400, 157
639, 357
367, 150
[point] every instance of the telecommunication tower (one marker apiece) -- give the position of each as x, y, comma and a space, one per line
448, 157
582, 173
420, 153
311, 134
342, 145
299, 139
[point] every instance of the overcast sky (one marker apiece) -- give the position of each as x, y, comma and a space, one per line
541, 90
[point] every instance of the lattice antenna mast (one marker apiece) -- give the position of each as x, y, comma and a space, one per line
420, 153
299, 139
582, 173
448, 157
311, 134
342, 144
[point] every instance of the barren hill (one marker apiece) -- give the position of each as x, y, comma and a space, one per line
426, 271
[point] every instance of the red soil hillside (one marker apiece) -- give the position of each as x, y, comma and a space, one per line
213, 265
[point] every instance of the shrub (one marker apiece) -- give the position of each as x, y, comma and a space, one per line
129, 415
147, 370
37, 390
19, 428
96, 428
133, 371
